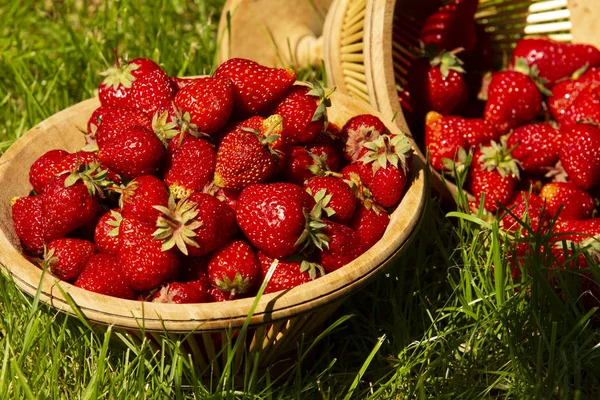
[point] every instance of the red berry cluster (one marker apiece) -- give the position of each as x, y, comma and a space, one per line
188, 189
530, 127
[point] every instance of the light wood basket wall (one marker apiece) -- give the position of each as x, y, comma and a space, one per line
370, 44
280, 319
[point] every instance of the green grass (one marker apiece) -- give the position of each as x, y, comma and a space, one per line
446, 321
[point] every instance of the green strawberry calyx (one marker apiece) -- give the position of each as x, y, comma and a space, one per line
237, 285
176, 225
395, 150
324, 199
324, 101
164, 130
362, 193
313, 269
448, 61
458, 165
497, 157
115, 222
521, 65
93, 176
270, 133
313, 236
119, 75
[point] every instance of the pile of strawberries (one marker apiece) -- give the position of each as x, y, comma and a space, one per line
531, 127
188, 189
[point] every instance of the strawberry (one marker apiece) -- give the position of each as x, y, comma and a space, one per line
234, 268
139, 84
443, 138
140, 196
245, 157
217, 295
576, 99
180, 83
580, 156
451, 26
386, 162
289, 272
342, 248
328, 150
275, 217
536, 146
299, 165
145, 264
136, 151
369, 222
478, 131
513, 98
227, 196
197, 225
183, 293
106, 235
359, 130
577, 230
575, 203
68, 202
339, 200
436, 82
494, 173
96, 119
209, 101
66, 257
191, 167
555, 60
304, 111
103, 274
526, 207
256, 88
45, 167
116, 120
27, 221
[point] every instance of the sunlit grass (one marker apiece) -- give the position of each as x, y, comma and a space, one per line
447, 320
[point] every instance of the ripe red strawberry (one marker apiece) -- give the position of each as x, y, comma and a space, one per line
443, 138
513, 98
209, 101
227, 196
103, 274
217, 295
183, 293
494, 173
274, 217
67, 204
116, 120
555, 60
529, 208
66, 257
359, 130
304, 111
577, 230
136, 151
145, 264
289, 272
576, 99
140, 84
96, 119
536, 146
245, 157
451, 26
45, 167
580, 155
191, 167
342, 248
576, 203
140, 196
478, 131
234, 268
329, 150
256, 88
197, 225
384, 168
106, 235
299, 165
436, 82
369, 222
27, 221
338, 198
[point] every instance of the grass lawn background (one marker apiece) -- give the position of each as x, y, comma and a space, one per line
447, 321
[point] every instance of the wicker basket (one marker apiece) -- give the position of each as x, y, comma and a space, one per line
279, 320
370, 44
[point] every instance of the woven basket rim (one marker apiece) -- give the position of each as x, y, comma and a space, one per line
202, 317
